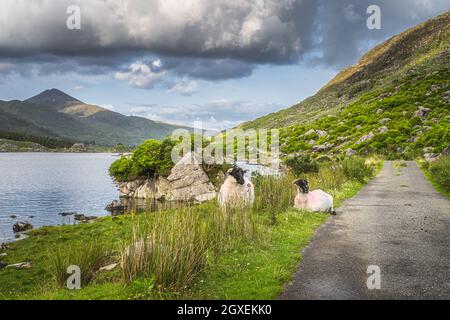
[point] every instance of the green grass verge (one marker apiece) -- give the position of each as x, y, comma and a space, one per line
246, 271
436, 185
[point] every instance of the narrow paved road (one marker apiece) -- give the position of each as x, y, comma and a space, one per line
397, 222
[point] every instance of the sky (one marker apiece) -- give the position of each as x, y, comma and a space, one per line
221, 62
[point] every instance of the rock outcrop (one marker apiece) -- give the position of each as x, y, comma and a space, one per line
187, 182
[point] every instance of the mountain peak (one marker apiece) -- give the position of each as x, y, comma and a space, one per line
54, 98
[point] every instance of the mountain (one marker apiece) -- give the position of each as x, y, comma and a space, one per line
54, 98
54, 113
395, 101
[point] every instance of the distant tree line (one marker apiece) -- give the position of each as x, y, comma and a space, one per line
52, 143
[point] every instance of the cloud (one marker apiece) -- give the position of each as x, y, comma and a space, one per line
215, 115
185, 87
197, 39
142, 75
108, 106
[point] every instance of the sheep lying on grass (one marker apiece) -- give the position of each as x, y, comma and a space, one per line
237, 190
315, 201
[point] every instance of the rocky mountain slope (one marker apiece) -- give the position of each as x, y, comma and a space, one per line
56, 114
395, 101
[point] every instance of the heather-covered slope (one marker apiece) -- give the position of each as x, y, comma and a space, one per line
375, 105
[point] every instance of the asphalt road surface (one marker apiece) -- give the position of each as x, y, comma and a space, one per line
399, 223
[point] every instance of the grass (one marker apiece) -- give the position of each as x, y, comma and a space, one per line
441, 174
196, 253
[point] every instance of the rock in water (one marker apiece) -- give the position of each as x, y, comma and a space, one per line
115, 207
22, 226
66, 214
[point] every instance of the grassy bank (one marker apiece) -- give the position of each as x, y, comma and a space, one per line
194, 253
438, 173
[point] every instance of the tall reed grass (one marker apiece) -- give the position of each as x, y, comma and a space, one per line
173, 247
89, 257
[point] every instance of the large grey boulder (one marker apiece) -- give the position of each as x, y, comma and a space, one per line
189, 182
186, 182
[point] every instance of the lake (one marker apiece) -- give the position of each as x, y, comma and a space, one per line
43, 185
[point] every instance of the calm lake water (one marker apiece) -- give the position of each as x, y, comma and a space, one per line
45, 184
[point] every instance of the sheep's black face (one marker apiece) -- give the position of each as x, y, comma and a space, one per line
238, 174
303, 185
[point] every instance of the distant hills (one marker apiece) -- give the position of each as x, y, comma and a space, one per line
56, 114
394, 101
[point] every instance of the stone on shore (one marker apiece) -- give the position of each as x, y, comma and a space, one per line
22, 226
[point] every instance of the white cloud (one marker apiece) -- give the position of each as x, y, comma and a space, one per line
185, 87
215, 115
140, 75
108, 106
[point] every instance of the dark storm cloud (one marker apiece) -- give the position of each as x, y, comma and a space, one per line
200, 39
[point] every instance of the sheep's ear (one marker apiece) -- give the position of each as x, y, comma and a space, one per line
230, 171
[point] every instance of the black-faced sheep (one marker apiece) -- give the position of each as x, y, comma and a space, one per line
237, 190
315, 201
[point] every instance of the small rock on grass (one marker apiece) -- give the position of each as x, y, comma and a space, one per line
2, 255
2, 265
109, 267
21, 265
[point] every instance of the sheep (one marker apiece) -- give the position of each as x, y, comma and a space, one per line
236, 190
315, 201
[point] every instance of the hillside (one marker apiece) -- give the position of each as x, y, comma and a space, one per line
54, 113
395, 101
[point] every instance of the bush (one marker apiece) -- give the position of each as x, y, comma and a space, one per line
302, 164
152, 158
121, 169
440, 172
356, 168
